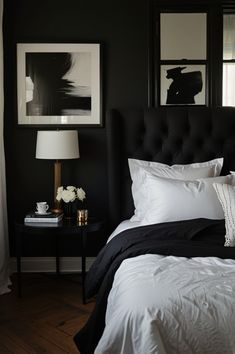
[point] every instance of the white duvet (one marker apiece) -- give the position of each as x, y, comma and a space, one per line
170, 305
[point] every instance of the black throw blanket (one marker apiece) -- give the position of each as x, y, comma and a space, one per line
190, 238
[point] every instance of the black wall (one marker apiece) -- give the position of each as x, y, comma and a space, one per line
122, 28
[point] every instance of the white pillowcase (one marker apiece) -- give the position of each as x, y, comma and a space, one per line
193, 171
226, 195
174, 200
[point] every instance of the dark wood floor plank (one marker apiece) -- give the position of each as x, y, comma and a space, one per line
10, 344
72, 326
16, 341
4, 349
56, 336
45, 319
35, 339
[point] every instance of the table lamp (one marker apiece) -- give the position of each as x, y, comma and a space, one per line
57, 145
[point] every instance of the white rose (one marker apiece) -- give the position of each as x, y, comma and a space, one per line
68, 196
59, 193
71, 188
81, 194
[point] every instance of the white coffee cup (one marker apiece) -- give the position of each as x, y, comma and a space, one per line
42, 207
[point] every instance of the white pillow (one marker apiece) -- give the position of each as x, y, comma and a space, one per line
173, 200
226, 195
186, 172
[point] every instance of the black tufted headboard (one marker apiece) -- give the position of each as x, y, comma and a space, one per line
169, 135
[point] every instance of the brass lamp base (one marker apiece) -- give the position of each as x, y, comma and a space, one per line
57, 183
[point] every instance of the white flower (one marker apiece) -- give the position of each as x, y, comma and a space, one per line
71, 188
81, 194
59, 193
68, 196
70, 193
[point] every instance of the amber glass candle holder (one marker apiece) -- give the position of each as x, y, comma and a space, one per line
82, 216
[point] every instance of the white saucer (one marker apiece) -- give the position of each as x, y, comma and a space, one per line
47, 213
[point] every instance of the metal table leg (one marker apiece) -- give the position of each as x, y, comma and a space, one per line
83, 236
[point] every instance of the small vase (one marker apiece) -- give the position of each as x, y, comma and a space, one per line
70, 210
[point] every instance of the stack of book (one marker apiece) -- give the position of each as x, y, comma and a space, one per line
48, 219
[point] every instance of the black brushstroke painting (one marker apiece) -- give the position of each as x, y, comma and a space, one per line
184, 86
51, 93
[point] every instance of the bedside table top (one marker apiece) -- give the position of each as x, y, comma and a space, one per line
66, 225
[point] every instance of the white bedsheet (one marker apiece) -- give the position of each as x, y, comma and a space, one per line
170, 305
124, 225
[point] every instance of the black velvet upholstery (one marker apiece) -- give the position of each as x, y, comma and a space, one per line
168, 134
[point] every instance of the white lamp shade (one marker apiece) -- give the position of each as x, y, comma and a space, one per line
57, 144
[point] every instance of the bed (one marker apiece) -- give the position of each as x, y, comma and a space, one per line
165, 282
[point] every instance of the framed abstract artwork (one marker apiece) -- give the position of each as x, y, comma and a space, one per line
183, 84
59, 84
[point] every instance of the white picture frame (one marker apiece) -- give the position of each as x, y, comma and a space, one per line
59, 84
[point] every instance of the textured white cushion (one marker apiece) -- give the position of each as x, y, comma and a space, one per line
226, 195
186, 172
173, 200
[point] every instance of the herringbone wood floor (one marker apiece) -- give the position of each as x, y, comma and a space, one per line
45, 319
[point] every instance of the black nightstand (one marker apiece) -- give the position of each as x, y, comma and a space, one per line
64, 227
